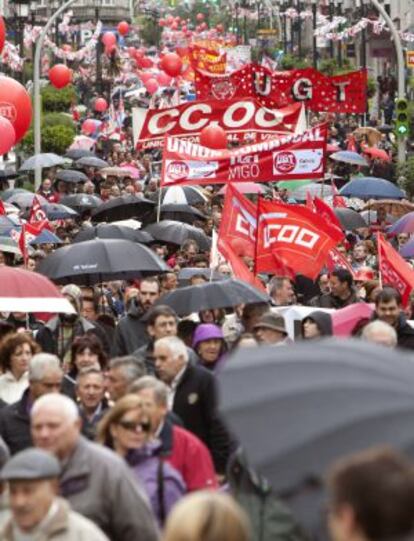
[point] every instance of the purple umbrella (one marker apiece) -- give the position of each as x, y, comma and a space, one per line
404, 225
407, 249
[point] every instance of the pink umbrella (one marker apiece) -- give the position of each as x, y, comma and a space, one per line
133, 171
332, 148
345, 319
377, 153
245, 188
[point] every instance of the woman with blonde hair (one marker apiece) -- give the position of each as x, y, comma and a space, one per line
126, 428
207, 516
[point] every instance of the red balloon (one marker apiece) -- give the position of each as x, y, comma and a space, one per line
88, 126
60, 75
15, 105
8, 135
132, 52
171, 64
184, 28
101, 105
162, 22
170, 19
151, 85
123, 28
145, 77
2, 33
108, 39
213, 137
219, 28
198, 28
200, 17
174, 26
163, 79
203, 26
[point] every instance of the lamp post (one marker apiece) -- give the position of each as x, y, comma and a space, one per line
21, 10
37, 102
99, 53
314, 39
331, 16
339, 12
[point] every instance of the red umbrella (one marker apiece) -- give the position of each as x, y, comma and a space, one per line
377, 153
25, 291
345, 319
245, 188
332, 148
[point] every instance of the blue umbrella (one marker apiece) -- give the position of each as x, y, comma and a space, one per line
46, 237
56, 211
347, 156
407, 249
371, 188
404, 225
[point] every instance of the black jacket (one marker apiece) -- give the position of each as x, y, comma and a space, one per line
327, 300
146, 354
405, 333
196, 403
15, 424
130, 333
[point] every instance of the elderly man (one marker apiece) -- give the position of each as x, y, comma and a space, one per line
193, 397
182, 449
45, 376
271, 330
122, 372
380, 333
90, 391
95, 481
281, 291
37, 513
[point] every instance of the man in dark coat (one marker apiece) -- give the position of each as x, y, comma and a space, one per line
388, 308
342, 291
130, 333
45, 376
193, 396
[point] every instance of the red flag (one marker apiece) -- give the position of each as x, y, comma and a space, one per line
325, 211
336, 260
240, 269
27, 234
298, 237
394, 270
37, 214
2, 209
338, 200
309, 202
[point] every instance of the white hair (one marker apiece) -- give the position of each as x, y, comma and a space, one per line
381, 333
175, 346
41, 363
58, 402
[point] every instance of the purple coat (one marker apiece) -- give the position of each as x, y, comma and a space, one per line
208, 331
162, 482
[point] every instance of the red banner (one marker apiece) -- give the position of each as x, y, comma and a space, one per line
394, 270
288, 157
338, 94
337, 261
245, 120
293, 237
207, 59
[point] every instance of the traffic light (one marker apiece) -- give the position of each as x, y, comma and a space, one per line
402, 126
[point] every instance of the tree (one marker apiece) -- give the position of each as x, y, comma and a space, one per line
58, 100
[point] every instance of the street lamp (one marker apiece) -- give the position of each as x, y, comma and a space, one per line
339, 5
314, 38
21, 10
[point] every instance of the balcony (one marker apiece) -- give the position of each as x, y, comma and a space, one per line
110, 11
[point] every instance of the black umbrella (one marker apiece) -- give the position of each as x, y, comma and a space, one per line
350, 219
24, 200
68, 175
303, 407
123, 207
81, 201
57, 211
110, 231
223, 294
177, 233
185, 275
91, 161
185, 195
95, 261
185, 213
78, 153
5, 196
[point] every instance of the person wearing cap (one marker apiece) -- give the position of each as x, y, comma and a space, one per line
271, 330
59, 332
36, 512
361, 276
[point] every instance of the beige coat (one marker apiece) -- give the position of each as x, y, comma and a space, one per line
65, 525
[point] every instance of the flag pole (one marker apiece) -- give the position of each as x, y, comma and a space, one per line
379, 261
159, 204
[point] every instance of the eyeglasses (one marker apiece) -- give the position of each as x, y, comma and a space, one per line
133, 426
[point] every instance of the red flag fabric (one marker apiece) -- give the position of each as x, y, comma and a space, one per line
27, 234
2, 209
298, 237
338, 201
394, 270
239, 268
336, 260
37, 214
324, 210
309, 202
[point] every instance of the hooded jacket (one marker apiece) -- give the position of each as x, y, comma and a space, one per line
209, 331
130, 333
322, 320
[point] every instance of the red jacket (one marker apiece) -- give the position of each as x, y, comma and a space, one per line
187, 454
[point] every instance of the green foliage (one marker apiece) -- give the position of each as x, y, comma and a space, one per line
57, 119
405, 173
55, 139
371, 87
54, 100
149, 30
290, 62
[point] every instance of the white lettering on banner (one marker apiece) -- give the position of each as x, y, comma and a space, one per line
302, 89
289, 234
262, 87
260, 118
390, 276
185, 118
341, 96
243, 227
228, 117
153, 126
244, 172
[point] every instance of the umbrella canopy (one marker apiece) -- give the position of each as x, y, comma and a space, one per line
114, 172
177, 233
24, 200
377, 153
245, 188
407, 250
221, 294
125, 206
350, 219
404, 225
78, 153
5, 196
370, 216
185, 275
5, 174
184, 195
81, 201
291, 394
131, 171
42, 161
95, 261
314, 189
69, 175
347, 156
185, 213
46, 237
57, 211
332, 148
25, 291
392, 206
373, 135
91, 161
111, 231
10, 246
371, 188
345, 319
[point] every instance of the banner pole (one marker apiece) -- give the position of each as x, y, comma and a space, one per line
379, 262
159, 204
